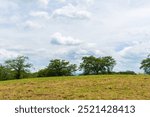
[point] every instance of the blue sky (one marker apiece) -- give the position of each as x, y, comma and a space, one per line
71, 29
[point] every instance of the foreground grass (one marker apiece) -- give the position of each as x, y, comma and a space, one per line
78, 87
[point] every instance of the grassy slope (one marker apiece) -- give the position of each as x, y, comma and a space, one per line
78, 87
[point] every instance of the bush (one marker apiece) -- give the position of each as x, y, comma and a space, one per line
6, 73
127, 72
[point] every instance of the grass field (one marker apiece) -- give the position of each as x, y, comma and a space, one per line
103, 87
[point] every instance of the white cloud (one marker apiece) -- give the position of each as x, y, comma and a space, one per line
32, 25
90, 1
78, 2
119, 28
59, 39
62, 1
73, 12
77, 53
137, 50
86, 2
11, 20
40, 14
44, 2
131, 56
7, 54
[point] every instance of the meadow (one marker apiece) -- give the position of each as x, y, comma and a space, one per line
92, 87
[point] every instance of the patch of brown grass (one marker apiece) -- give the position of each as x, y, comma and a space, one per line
100, 87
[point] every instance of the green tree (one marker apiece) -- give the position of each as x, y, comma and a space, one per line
88, 65
101, 65
5, 73
109, 63
59, 67
42, 72
18, 65
145, 65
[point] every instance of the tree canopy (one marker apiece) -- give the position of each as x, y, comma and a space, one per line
145, 65
5, 73
58, 67
18, 65
100, 65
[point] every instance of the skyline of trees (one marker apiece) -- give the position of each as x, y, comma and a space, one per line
19, 67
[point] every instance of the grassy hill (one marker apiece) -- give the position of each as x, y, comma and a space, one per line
78, 87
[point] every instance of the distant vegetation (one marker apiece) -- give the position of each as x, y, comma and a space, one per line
58, 67
19, 67
126, 72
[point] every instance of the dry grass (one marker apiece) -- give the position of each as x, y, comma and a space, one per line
101, 87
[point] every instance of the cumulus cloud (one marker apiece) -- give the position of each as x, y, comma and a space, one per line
137, 50
119, 28
77, 53
58, 39
71, 11
130, 57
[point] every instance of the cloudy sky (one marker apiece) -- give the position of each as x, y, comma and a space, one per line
70, 29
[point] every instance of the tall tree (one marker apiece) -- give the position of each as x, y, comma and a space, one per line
101, 65
88, 65
145, 65
59, 67
19, 65
109, 63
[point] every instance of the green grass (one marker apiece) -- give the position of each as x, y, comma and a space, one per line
102, 87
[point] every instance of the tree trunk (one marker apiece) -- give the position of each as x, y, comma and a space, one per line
18, 75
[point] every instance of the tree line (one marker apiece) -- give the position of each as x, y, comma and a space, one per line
19, 67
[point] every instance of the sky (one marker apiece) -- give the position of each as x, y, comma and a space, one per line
70, 29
